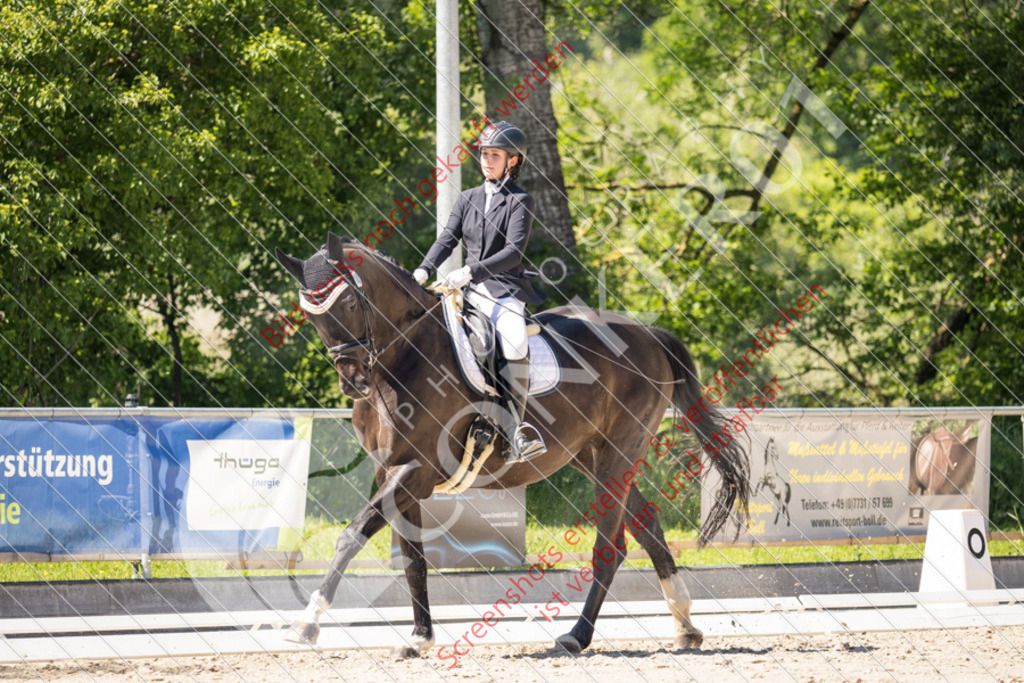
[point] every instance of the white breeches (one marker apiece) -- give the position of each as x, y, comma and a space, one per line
507, 315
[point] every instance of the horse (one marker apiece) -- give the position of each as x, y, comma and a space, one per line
387, 338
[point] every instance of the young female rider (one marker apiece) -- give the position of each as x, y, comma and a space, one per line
493, 221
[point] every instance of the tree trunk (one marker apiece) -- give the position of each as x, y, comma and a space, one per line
943, 337
167, 312
511, 36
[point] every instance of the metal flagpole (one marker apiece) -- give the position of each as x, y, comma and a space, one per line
448, 118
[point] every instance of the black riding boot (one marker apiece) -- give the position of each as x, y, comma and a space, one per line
515, 380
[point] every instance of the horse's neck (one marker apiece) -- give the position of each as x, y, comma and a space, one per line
410, 305
393, 297
396, 311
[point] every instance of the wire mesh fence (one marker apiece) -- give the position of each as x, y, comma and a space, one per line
821, 199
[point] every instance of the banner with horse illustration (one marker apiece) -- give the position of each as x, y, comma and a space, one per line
827, 477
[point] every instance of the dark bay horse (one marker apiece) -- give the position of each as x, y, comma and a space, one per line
387, 338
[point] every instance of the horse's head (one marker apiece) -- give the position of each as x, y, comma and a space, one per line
354, 298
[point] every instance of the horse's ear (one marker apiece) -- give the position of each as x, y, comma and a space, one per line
292, 265
336, 247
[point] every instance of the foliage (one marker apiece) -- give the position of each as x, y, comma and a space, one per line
341, 473
1005, 504
154, 154
154, 157
899, 194
564, 497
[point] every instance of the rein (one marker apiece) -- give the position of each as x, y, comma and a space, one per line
470, 467
341, 350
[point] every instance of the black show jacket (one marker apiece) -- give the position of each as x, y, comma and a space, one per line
494, 243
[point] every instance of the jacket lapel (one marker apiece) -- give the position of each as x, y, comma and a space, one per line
478, 199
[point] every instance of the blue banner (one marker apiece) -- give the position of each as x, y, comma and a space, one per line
171, 444
162, 485
69, 486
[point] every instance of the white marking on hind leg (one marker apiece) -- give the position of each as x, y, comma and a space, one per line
678, 599
306, 629
422, 643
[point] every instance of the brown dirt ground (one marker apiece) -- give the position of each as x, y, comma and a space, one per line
963, 655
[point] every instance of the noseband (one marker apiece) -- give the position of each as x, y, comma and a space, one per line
347, 350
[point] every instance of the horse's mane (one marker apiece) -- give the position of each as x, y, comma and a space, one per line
404, 276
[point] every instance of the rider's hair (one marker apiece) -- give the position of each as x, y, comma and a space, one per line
514, 171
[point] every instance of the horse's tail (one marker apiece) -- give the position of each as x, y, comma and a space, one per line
731, 461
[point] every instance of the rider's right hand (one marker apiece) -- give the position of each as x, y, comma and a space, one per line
457, 279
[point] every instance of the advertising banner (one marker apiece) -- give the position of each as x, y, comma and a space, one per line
128, 484
168, 485
228, 485
474, 529
824, 477
69, 486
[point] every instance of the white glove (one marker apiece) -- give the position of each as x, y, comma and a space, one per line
420, 276
457, 279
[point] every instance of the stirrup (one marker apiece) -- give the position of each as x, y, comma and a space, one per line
523, 448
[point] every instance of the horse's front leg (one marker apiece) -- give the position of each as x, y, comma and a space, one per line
397, 494
410, 541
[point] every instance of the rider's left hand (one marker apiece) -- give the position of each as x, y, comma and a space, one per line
457, 279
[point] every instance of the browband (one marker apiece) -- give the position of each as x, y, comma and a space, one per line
306, 299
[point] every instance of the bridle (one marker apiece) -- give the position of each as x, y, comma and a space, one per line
345, 350
367, 343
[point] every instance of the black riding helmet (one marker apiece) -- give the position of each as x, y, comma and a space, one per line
503, 135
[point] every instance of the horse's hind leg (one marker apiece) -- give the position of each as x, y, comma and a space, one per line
652, 539
609, 548
606, 560
416, 577
403, 486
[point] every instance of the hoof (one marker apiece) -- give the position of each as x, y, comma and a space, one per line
419, 646
423, 643
303, 634
569, 644
689, 641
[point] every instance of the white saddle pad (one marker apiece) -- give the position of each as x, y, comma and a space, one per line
545, 373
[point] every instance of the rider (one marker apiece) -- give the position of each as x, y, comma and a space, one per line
493, 221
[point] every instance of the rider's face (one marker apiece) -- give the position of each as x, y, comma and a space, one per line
492, 162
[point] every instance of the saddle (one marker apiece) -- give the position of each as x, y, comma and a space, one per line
477, 350
933, 460
474, 341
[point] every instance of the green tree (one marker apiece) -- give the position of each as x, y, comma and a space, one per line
951, 132
154, 154
867, 147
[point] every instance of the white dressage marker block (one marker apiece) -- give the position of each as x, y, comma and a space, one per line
956, 553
